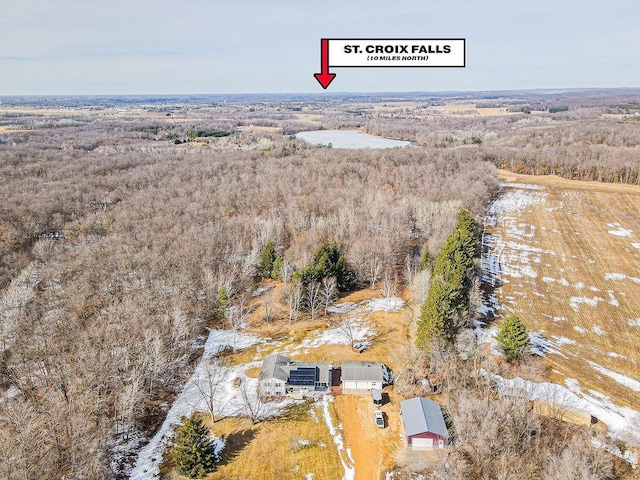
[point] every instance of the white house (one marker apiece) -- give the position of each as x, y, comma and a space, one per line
280, 376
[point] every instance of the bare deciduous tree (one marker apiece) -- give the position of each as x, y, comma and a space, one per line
255, 407
294, 301
268, 306
420, 286
329, 291
313, 298
209, 384
389, 285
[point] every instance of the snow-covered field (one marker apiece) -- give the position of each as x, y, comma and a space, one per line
547, 254
349, 139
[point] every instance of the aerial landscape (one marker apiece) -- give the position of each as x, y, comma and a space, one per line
418, 273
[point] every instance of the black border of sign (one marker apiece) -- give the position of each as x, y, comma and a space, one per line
464, 51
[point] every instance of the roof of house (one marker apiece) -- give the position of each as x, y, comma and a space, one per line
272, 367
321, 369
362, 371
420, 415
280, 367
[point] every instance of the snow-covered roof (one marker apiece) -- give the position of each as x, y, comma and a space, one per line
362, 371
420, 415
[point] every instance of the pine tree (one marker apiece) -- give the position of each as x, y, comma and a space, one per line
268, 257
513, 337
437, 314
448, 297
278, 267
222, 301
327, 262
193, 452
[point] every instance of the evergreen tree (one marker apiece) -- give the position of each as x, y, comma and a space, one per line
513, 337
448, 296
268, 258
278, 267
327, 262
437, 314
192, 451
222, 301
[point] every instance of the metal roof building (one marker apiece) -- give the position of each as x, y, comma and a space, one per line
361, 377
424, 423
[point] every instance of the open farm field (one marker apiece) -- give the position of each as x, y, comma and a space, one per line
565, 256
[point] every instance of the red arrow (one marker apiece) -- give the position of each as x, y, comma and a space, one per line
324, 77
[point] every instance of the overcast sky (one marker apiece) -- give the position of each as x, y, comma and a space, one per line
263, 46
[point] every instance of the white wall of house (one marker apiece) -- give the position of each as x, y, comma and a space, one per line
272, 387
361, 385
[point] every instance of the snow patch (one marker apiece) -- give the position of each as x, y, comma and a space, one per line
620, 276
356, 329
562, 281
344, 453
488, 336
624, 380
619, 230
124, 443
13, 391
344, 307
490, 306
615, 355
621, 421
633, 322
391, 304
540, 344
559, 341
191, 400
574, 302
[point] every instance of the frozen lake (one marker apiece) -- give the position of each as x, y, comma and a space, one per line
349, 139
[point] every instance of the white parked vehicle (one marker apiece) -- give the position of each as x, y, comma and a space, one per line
379, 417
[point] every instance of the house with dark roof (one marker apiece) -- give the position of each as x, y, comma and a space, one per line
281, 376
424, 424
361, 377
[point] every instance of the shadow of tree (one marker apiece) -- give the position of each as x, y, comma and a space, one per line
235, 443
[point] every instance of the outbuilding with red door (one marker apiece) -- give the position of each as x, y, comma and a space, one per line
424, 424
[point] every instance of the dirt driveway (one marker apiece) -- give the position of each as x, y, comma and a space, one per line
373, 449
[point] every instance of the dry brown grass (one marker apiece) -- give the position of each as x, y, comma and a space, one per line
572, 229
373, 449
272, 450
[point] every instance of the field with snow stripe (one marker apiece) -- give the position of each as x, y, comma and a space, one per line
563, 255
